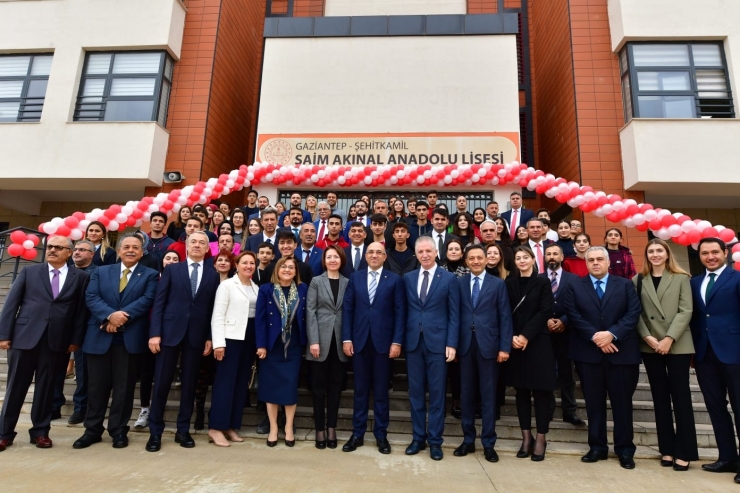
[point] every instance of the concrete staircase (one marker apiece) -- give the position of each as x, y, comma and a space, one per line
563, 436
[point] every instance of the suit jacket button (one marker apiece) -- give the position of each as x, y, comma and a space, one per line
651, 318
707, 315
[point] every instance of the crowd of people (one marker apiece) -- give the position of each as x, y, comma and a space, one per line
483, 300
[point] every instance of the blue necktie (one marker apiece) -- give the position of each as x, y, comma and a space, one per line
373, 286
476, 290
295, 232
424, 287
599, 291
194, 279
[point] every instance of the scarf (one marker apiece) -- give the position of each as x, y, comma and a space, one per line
287, 309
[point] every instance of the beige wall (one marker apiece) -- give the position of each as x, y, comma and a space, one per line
394, 7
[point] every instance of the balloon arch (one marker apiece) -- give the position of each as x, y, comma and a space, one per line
663, 223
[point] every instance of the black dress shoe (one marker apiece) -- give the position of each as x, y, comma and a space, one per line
490, 454
679, 467
626, 461
264, 427
574, 420
321, 444
76, 418
415, 447
332, 444
464, 449
523, 454
352, 444
56, 414
85, 441
200, 419
666, 463
594, 456
737, 478
290, 443
435, 452
538, 457
120, 441
271, 443
721, 466
185, 440
383, 446
154, 443
456, 412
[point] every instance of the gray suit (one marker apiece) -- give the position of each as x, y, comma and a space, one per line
324, 317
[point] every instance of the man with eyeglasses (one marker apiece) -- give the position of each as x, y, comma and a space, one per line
576, 228
43, 320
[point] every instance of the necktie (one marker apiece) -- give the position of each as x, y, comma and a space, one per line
599, 291
268, 240
514, 218
306, 255
194, 279
124, 280
476, 290
356, 264
295, 232
540, 258
55, 283
424, 287
710, 284
361, 219
554, 281
373, 286
321, 231
439, 245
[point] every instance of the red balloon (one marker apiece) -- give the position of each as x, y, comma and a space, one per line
115, 208
602, 200
137, 214
110, 213
668, 221
29, 254
682, 239
694, 236
131, 221
726, 235
18, 236
707, 233
736, 266
655, 224
79, 215
614, 198
16, 250
642, 227
72, 222
142, 206
632, 210
104, 221
613, 217
736, 248
682, 219
34, 239
645, 207
63, 230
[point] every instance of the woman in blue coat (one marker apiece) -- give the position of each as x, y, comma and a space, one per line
280, 330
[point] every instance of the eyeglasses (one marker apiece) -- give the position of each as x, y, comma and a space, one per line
56, 248
81, 249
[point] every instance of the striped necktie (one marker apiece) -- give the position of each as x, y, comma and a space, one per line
373, 286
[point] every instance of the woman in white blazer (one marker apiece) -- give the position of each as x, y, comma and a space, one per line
232, 328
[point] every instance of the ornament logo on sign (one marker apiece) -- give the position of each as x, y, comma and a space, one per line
278, 151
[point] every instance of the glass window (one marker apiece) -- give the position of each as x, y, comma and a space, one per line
130, 86
675, 80
23, 81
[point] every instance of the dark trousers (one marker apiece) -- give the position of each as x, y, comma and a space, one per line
542, 400
146, 377
327, 380
206, 374
669, 382
619, 383
372, 372
165, 364
453, 374
566, 382
23, 364
427, 370
111, 373
480, 377
230, 386
717, 380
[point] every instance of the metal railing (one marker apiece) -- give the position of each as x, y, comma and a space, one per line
10, 266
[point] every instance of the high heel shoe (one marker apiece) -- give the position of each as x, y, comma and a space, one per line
320, 444
523, 454
329, 442
538, 457
666, 462
679, 467
271, 443
290, 443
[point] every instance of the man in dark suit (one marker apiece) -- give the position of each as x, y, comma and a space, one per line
373, 315
262, 204
362, 217
296, 220
355, 252
517, 215
561, 281
440, 235
603, 312
181, 327
295, 203
432, 331
269, 223
287, 246
486, 332
538, 243
42, 321
119, 298
307, 252
715, 329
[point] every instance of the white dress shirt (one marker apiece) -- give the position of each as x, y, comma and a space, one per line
558, 275
377, 277
705, 281
200, 271
421, 279
435, 237
355, 253
131, 271
513, 226
534, 249
62, 275
272, 239
480, 276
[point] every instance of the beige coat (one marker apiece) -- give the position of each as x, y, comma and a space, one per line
666, 312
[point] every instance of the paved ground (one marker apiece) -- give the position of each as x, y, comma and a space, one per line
251, 466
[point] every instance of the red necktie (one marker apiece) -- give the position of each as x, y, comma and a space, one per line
321, 231
514, 217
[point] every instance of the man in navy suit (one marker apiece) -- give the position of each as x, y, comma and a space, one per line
119, 298
440, 235
603, 312
295, 203
517, 215
715, 328
43, 320
262, 204
561, 281
269, 223
432, 331
486, 332
373, 315
362, 217
181, 327
307, 252
355, 252
322, 221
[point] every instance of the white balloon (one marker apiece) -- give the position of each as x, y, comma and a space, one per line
475, 178
456, 173
202, 200
629, 222
702, 225
607, 209
158, 200
393, 180
75, 234
663, 234
663, 213
447, 179
368, 180
50, 228
468, 183
121, 217
674, 230
650, 214
175, 208
207, 192
182, 200
599, 212
688, 226
127, 210
28, 244
419, 179
58, 221
342, 180
638, 219
147, 216
736, 257
113, 225
153, 208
